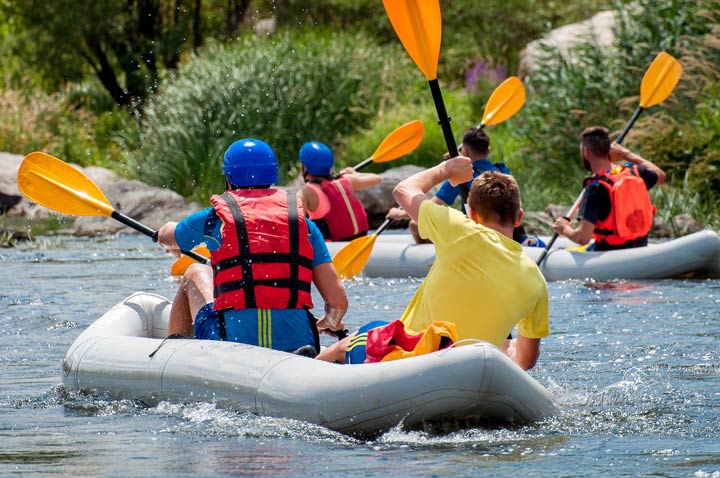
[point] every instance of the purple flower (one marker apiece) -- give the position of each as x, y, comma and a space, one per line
483, 72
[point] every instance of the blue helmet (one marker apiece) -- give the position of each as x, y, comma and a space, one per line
317, 158
250, 162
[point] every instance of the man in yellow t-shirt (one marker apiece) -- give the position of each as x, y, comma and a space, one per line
481, 279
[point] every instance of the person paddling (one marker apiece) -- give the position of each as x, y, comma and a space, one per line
476, 146
264, 254
481, 280
616, 210
331, 201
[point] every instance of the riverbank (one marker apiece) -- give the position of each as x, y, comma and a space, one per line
21, 219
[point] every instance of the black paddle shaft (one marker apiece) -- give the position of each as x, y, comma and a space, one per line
444, 122
152, 233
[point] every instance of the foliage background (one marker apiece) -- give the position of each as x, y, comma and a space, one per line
202, 77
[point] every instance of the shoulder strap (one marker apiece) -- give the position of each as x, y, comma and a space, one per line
244, 246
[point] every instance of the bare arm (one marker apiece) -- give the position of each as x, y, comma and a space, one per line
310, 199
579, 235
328, 284
360, 181
524, 351
411, 192
620, 153
166, 237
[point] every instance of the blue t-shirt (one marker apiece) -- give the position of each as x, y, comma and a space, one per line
280, 329
448, 193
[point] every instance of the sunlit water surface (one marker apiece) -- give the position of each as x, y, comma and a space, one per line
635, 368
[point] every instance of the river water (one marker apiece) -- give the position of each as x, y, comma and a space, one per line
634, 366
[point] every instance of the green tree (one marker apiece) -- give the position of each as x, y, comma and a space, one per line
125, 43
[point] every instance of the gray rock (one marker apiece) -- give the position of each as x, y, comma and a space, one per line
379, 200
599, 29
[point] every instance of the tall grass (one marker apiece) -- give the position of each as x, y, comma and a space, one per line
285, 90
59, 125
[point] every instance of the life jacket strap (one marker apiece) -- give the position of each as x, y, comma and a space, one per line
244, 246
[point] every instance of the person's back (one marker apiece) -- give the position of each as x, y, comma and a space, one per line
265, 254
480, 280
331, 201
605, 210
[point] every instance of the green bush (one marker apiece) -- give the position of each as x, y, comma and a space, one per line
285, 90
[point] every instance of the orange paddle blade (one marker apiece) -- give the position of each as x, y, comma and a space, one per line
351, 259
505, 101
55, 184
400, 142
659, 80
418, 24
179, 267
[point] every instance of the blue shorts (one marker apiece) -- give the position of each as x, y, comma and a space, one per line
355, 352
279, 329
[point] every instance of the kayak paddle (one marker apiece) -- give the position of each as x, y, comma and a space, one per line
658, 82
418, 25
55, 184
351, 259
505, 101
401, 141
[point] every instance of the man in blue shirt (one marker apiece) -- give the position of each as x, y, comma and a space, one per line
476, 146
265, 255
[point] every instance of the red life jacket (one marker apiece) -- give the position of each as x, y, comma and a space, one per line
631, 212
346, 218
265, 258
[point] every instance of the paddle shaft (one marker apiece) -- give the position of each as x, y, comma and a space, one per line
359, 166
130, 222
576, 204
444, 122
383, 226
629, 124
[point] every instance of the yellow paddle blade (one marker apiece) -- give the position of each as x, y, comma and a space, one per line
505, 101
351, 259
418, 24
659, 80
53, 183
400, 142
179, 267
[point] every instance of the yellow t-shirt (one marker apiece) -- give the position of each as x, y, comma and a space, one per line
481, 280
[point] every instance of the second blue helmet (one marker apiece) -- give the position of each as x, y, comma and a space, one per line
317, 158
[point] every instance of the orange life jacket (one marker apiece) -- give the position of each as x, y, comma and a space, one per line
265, 258
631, 212
346, 217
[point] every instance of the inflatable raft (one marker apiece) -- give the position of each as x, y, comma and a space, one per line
694, 255
122, 356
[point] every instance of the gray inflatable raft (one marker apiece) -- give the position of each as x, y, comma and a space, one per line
694, 255
466, 385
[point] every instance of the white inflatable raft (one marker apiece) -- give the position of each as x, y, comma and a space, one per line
462, 386
694, 255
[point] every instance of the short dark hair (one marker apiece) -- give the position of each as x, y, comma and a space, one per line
597, 140
495, 194
477, 140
